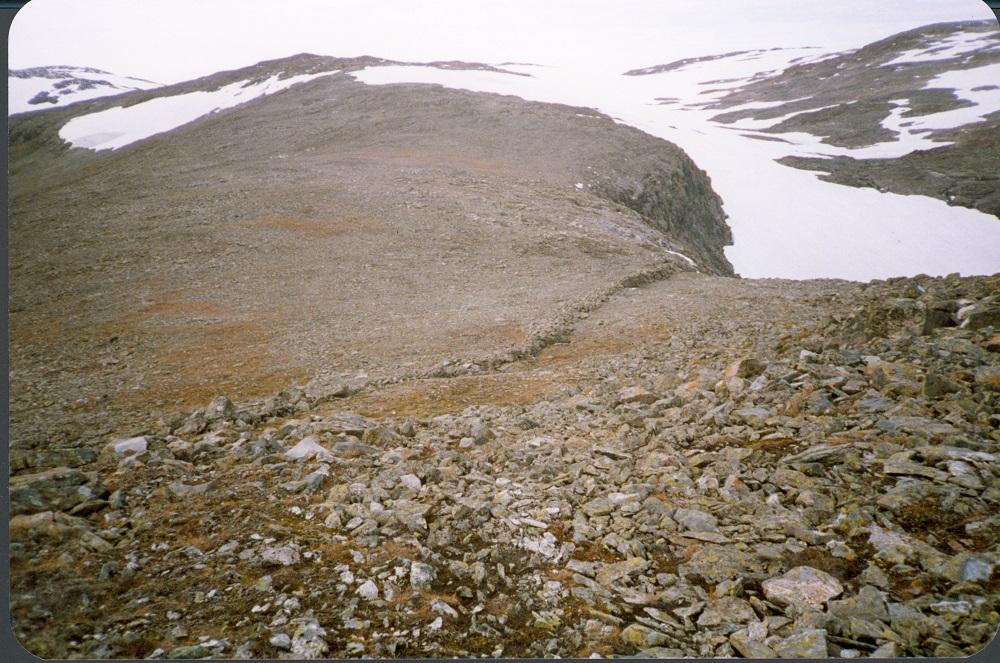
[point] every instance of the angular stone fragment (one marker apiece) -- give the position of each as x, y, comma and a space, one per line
600, 506
637, 395
695, 520
803, 587
726, 610
748, 647
900, 464
189, 651
280, 555
810, 643
380, 436
281, 641
745, 368
937, 385
890, 546
308, 448
867, 604
45, 524
979, 316
324, 388
352, 449
421, 575
23, 459
129, 445
221, 408
547, 545
936, 317
967, 567
610, 573
888, 650
368, 590
754, 416
411, 481
181, 489
894, 378
921, 426
642, 636
874, 403
715, 563
988, 377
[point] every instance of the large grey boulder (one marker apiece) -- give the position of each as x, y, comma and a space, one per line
58, 489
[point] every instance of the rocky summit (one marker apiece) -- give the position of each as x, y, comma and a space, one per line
700, 466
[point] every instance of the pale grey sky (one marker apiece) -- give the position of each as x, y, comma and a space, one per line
183, 39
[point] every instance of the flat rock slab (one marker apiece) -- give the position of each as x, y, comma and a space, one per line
802, 586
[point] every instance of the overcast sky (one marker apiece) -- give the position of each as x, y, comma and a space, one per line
176, 40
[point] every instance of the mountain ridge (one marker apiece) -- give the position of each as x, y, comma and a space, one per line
305, 184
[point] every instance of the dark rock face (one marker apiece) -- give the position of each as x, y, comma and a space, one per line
681, 204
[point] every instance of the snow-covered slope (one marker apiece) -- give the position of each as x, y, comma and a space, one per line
45, 87
113, 125
915, 113
883, 100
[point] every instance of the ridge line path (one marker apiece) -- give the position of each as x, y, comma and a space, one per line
688, 316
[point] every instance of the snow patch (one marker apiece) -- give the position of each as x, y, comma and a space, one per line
117, 127
681, 255
963, 83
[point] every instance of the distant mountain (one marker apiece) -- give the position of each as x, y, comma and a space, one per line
44, 87
914, 113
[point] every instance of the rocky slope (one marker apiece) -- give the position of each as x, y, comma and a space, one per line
332, 226
704, 467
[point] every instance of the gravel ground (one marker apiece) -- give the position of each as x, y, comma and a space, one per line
701, 466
